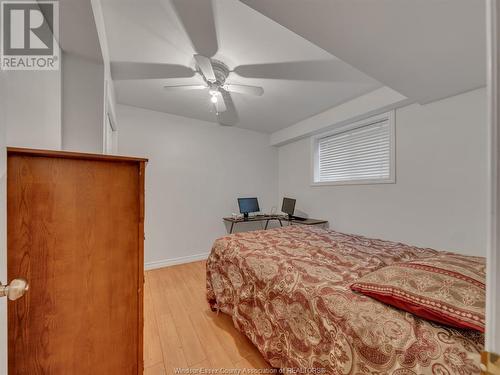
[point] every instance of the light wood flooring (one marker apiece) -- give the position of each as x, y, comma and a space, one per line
180, 330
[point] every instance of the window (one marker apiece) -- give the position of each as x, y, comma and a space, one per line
359, 153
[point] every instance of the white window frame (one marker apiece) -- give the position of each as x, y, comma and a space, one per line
387, 116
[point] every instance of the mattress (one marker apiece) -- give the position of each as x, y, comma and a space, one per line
287, 290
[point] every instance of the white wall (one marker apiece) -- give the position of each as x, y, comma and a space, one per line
64, 108
55, 110
372, 103
33, 109
196, 171
439, 199
82, 104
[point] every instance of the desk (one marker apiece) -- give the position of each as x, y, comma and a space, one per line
268, 218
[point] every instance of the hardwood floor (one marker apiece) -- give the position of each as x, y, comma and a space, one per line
180, 330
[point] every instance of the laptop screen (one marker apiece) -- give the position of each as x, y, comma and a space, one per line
288, 206
248, 205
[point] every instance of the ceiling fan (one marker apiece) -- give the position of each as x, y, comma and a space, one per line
197, 18
215, 73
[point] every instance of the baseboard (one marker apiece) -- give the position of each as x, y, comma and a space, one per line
174, 261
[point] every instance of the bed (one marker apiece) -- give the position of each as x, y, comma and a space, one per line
287, 290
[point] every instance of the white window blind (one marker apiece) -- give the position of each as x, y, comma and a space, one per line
361, 154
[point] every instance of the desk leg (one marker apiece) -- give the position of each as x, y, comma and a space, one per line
231, 230
267, 223
280, 222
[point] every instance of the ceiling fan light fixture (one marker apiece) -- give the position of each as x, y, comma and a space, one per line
213, 99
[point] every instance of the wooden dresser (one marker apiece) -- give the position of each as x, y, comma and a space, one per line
75, 231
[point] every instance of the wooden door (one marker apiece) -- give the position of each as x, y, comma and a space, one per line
75, 232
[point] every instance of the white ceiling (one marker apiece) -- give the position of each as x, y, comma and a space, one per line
149, 31
77, 29
425, 49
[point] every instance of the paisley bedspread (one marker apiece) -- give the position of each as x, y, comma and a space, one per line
287, 290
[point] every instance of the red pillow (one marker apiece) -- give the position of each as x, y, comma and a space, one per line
446, 288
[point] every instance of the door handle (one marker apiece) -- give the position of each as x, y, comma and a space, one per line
15, 289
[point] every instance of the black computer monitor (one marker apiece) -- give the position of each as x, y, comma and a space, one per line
288, 206
248, 205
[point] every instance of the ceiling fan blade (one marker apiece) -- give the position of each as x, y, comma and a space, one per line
206, 68
323, 70
245, 89
123, 70
230, 116
185, 87
197, 17
220, 105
